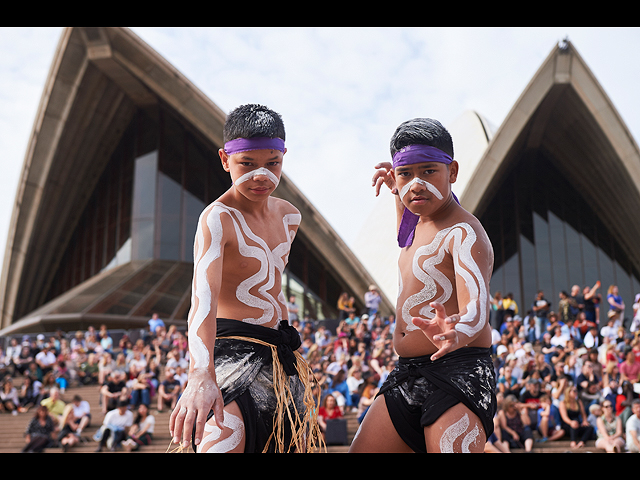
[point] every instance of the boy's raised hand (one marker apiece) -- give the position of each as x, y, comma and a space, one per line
384, 175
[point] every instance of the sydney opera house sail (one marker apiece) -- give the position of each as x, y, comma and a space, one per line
557, 187
122, 160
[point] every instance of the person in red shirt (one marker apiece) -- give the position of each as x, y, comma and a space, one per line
330, 410
583, 325
630, 368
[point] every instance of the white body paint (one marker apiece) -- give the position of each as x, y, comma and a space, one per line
213, 432
265, 279
426, 185
259, 171
201, 289
270, 261
457, 430
431, 277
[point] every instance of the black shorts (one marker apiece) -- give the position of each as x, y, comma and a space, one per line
419, 391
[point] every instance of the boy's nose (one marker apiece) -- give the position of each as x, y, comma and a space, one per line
260, 175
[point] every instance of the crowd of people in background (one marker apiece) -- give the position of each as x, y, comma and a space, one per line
133, 377
565, 370
569, 371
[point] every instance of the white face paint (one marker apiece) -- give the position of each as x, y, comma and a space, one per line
457, 430
256, 173
432, 278
213, 432
426, 185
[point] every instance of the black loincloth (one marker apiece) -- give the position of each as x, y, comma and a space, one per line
244, 373
420, 391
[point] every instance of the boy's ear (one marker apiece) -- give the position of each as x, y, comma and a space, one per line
224, 158
453, 171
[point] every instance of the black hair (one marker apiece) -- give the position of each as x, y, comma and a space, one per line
422, 131
252, 120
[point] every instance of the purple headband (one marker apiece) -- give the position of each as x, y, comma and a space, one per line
411, 155
257, 143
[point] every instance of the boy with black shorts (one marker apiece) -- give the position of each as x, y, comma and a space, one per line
441, 396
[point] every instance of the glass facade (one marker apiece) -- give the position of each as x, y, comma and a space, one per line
546, 237
146, 206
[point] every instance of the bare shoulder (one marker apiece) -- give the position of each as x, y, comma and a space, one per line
217, 208
472, 226
477, 227
216, 216
471, 223
481, 250
283, 207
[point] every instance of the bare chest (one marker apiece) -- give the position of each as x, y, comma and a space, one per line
427, 272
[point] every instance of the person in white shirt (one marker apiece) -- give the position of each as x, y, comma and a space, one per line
610, 330
115, 427
141, 433
76, 417
559, 338
591, 338
633, 428
46, 359
322, 336
372, 300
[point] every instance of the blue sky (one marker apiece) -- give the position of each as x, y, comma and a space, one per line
341, 91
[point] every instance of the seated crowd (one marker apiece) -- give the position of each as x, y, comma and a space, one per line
567, 374
559, 375
131, 376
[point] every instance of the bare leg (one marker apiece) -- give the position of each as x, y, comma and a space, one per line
231, 439
458, 430
377, 434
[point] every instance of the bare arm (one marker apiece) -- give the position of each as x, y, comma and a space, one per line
473, 260
202, 392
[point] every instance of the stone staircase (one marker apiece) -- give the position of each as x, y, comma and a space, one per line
12, 430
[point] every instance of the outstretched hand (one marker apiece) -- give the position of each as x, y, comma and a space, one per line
440, 330
383, 176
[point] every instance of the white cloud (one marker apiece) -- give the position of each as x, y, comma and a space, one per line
341, 91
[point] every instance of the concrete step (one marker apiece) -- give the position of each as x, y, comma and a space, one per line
12, 430
12, 427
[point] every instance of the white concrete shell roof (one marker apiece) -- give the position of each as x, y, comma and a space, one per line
563, 111
98, 78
